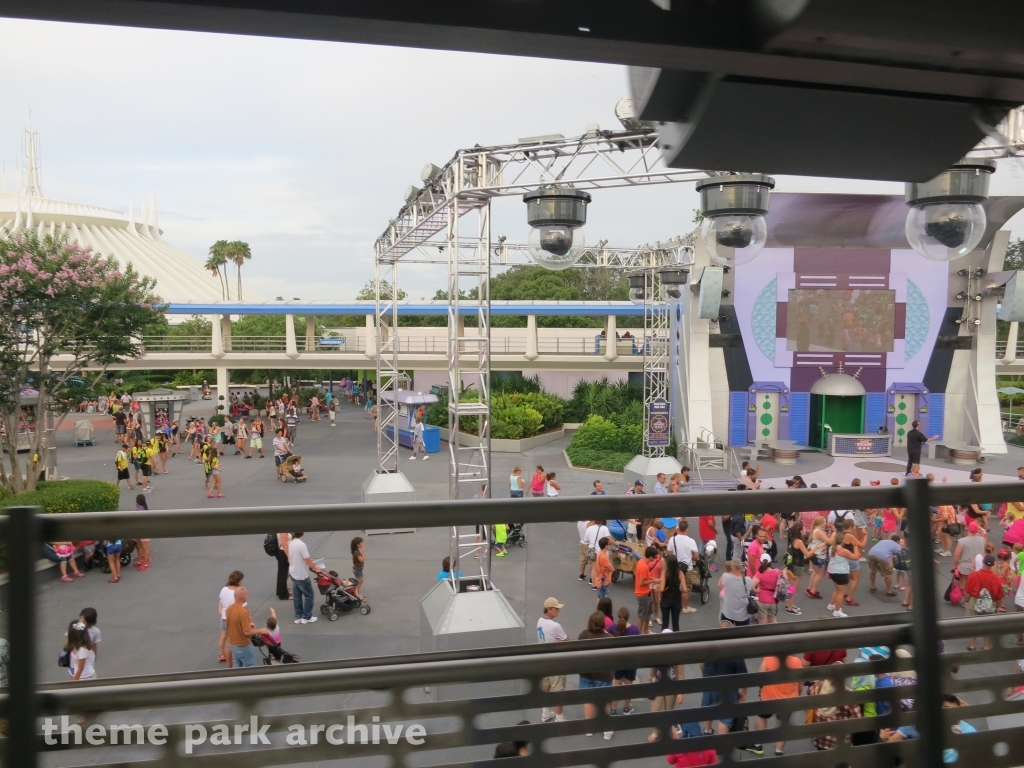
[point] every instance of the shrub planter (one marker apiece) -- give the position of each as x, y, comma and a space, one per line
518, 446
605, 472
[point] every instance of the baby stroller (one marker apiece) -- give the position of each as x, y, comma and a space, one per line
703, 586
515, 535
272, 652
285, 470
84, 433
339, 595
99, 555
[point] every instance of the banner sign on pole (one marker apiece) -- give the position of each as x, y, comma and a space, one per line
659, 431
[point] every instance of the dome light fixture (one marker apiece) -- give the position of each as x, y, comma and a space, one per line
637, 286
946, 219
673, 281
557, 216
733, 207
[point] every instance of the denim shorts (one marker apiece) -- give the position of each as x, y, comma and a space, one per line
586, 682
516, 494
357, 574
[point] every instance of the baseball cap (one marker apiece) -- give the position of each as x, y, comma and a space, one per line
552, 603
972, 527
766, 558
990, 559
638, 482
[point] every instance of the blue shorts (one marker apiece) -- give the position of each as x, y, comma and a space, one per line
357, 574
114, 549
586, 682
854, 566
516, 494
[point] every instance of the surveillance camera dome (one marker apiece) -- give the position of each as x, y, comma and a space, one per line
945, 231
556, 246
735, 238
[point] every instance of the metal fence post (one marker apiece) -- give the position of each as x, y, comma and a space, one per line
23, 544
925, 624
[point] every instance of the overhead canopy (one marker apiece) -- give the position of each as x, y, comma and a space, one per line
837, 385
498, 307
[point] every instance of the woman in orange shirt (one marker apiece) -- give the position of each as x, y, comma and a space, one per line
789, 690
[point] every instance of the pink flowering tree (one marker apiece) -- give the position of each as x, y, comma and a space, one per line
64, 312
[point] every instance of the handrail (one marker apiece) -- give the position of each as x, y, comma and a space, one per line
24, 530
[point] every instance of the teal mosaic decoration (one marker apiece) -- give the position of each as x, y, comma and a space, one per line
918, 321
763, 320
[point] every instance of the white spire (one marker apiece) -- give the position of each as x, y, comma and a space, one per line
29, 222
31, 185
154, 228
143, 217
131, 214
17, 215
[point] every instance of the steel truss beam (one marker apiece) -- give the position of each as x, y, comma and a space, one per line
601, 256
386, 316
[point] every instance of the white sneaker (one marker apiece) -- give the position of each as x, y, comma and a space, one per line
608, 735
546, 715
830, 607
311, 620
300, 621
425, 457
559, 718
839, 615
412, 458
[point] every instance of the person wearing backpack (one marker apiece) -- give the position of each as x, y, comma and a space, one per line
121, 463
984, 589
276, 545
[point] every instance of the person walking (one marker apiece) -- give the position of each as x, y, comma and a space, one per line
81, 652
300, 564
282, 450
839, 571
685, 549
516, 483
821, 539
225, 600
734, 589
765, 582
538, 482
281, 555
121, 461
671, 593
796, 558
417, 441
240, 630
601, 679
550, 631
642, 589
120, 425
142, 560
552, 487
774, 692
213, 466
256, 433
915, 439
358, 563
601, 574
624, 628
291, 421
241, 436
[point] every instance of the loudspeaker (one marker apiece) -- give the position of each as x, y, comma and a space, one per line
709, 300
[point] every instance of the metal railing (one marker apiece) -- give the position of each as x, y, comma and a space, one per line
1001, 349
476, 697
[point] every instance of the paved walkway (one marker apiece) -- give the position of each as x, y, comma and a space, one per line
163, 620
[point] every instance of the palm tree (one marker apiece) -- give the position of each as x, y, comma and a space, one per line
239, 252
219, 258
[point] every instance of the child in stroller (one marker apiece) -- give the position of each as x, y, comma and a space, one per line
339, 595
269, 643
516, 535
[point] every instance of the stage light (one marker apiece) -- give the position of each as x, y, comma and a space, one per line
557, 217
961, 296
946, 219
637, 287
733, 207
673, 282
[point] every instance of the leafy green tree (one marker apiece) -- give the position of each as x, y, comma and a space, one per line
63, 311
196, 325
369, 291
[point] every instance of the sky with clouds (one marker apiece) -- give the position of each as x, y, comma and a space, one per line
304, 148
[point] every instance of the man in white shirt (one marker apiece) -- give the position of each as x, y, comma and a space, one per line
686, 551
417, 441
550, 631
659, 486
581, 527
299, 566
595, 532
281, 448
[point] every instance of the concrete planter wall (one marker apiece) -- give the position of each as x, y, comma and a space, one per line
518, 446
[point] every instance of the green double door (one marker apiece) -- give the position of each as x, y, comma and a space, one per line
844, 414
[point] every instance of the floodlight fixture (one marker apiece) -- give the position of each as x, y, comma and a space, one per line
733, 207
946, 219
673, 281
637, 286
556, 217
